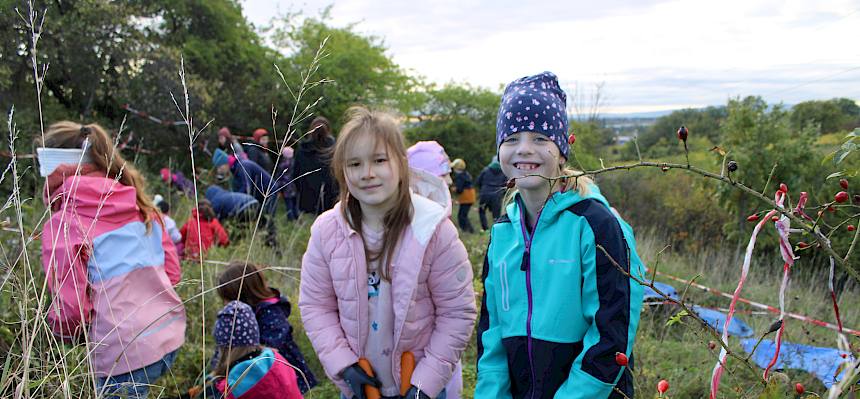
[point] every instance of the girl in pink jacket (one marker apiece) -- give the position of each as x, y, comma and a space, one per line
109, 262
385, 273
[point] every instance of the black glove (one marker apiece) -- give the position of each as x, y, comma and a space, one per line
355, 377
414, 393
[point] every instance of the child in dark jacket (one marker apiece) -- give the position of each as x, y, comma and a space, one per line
246, 283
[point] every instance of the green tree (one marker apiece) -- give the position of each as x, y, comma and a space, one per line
760, 139
356, 68
827, 116
701, 123
462, 119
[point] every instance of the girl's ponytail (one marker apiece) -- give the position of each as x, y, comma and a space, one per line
105, 156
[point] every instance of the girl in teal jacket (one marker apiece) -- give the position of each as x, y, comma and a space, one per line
558, 303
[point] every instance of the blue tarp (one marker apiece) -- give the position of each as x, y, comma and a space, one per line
821, 362
717, 320
651, 295
714, 318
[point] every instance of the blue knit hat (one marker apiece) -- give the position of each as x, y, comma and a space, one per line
534, 104
219, 157
236, 326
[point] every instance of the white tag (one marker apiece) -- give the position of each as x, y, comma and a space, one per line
51, 158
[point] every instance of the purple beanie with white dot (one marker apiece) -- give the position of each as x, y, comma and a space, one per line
534, 104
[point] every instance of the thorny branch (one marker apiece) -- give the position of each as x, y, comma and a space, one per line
690, 312
822, 240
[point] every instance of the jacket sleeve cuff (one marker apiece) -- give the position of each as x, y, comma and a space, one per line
431, 380
582, 385
493, 384
338, 360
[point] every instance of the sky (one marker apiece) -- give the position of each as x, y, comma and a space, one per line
647, 55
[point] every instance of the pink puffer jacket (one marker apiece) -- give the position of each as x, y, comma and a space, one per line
434, 302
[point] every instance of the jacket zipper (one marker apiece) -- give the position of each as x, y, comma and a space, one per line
526, 266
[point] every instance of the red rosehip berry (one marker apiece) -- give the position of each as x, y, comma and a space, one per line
683, 133
851, 227
843, 183
774, 218
662, 386
571, 139
841, 197
783, 188
802, 245
799, 388
753, 218
620, 359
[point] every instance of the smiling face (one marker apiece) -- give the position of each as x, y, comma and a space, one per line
527, 153
371, 176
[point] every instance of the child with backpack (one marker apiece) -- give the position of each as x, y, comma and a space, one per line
386, 291
245, 282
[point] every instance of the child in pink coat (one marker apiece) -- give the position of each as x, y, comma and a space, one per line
385, 272
109, 262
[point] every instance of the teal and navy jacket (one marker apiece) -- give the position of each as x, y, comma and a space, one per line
555, 308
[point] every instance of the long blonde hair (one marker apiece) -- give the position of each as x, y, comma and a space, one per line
68, 134
581, 184
364, 124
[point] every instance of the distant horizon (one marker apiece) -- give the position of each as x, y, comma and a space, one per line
651, 55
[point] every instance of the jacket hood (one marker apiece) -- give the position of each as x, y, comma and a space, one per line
312, 148
99, 198
431, 187
556, 204
426, 217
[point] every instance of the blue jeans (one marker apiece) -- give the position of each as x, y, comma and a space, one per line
135, 384
442, 395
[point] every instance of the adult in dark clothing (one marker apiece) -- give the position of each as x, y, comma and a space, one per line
491, 184
258, 150
249, 178
316, 188
465, 193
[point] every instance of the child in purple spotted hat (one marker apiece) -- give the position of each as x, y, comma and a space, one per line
556, 329
243, 368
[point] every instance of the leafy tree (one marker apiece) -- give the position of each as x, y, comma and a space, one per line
760, 139
827, 116
703, 122
356, 68
462, 119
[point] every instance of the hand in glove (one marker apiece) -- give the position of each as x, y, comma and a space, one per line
355, 377
415, 393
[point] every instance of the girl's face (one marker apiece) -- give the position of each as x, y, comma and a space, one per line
527, 153
371, 176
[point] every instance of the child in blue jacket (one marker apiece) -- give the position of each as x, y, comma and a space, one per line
556, 309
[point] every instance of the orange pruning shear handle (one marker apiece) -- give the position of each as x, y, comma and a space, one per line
407, 367
370, 391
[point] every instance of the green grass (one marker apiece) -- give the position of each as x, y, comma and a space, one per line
678, 353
